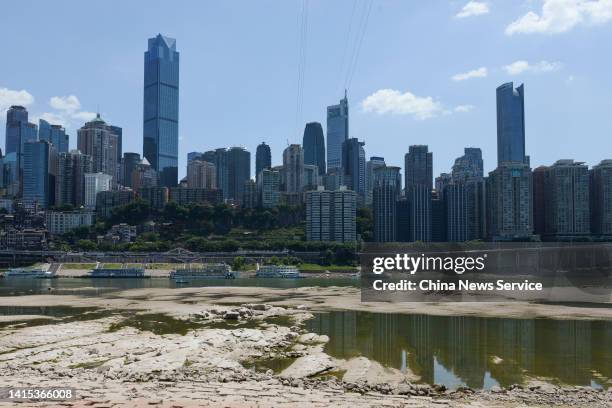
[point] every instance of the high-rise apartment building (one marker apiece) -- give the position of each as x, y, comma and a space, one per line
538, 178
268, 187
293, 169
511, 124
509, 202
601, 199
96, 139
201, 174
314, 146
70, 180
312, 180
331, 215
469, 166
249, 194
566, 198
337, 132
161, 108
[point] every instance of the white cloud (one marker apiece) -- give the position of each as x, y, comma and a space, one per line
68, 103
521, 66
69, 110
84, 116
464, 108
473, 8
10, 97
558, 16
475, 73
391, 101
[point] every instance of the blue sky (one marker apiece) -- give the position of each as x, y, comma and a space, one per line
425, 71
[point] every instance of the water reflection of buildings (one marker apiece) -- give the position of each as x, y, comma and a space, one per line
472, 348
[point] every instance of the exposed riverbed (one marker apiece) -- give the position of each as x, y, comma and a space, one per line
243, 345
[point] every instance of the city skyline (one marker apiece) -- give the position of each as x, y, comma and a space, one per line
558, 73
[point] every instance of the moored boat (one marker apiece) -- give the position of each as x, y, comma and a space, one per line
206, 271
277, 271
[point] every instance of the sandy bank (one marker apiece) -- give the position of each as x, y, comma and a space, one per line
184, 301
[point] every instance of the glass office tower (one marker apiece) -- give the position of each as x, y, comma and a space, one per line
15, 116
54, 134
161, 100
510, 124
314, 146
337, 132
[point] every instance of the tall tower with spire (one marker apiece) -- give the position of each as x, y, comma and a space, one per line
337, 132
161, 106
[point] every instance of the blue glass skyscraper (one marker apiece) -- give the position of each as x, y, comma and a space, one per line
161, 108
18, 132
39, 173
337, 132
55, 134
314, 146
263, 158
14, 117
510, 124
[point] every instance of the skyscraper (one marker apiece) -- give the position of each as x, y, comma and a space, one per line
39, 174
161, 108
418, 164
249, 194
239, 171
128, 165
54, 134
312, 180
456, 212
387, 186
219, 157
539, 200
601, 199
70, 180
469, 166
419, 180
14, 117
96, 139
337, 132
331, 215
293, 168
314, 146
371, 165
119, 132
268, 187
509, 202
95, 183
566, 201
201, 174
353, 164
511, 124
263, 158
